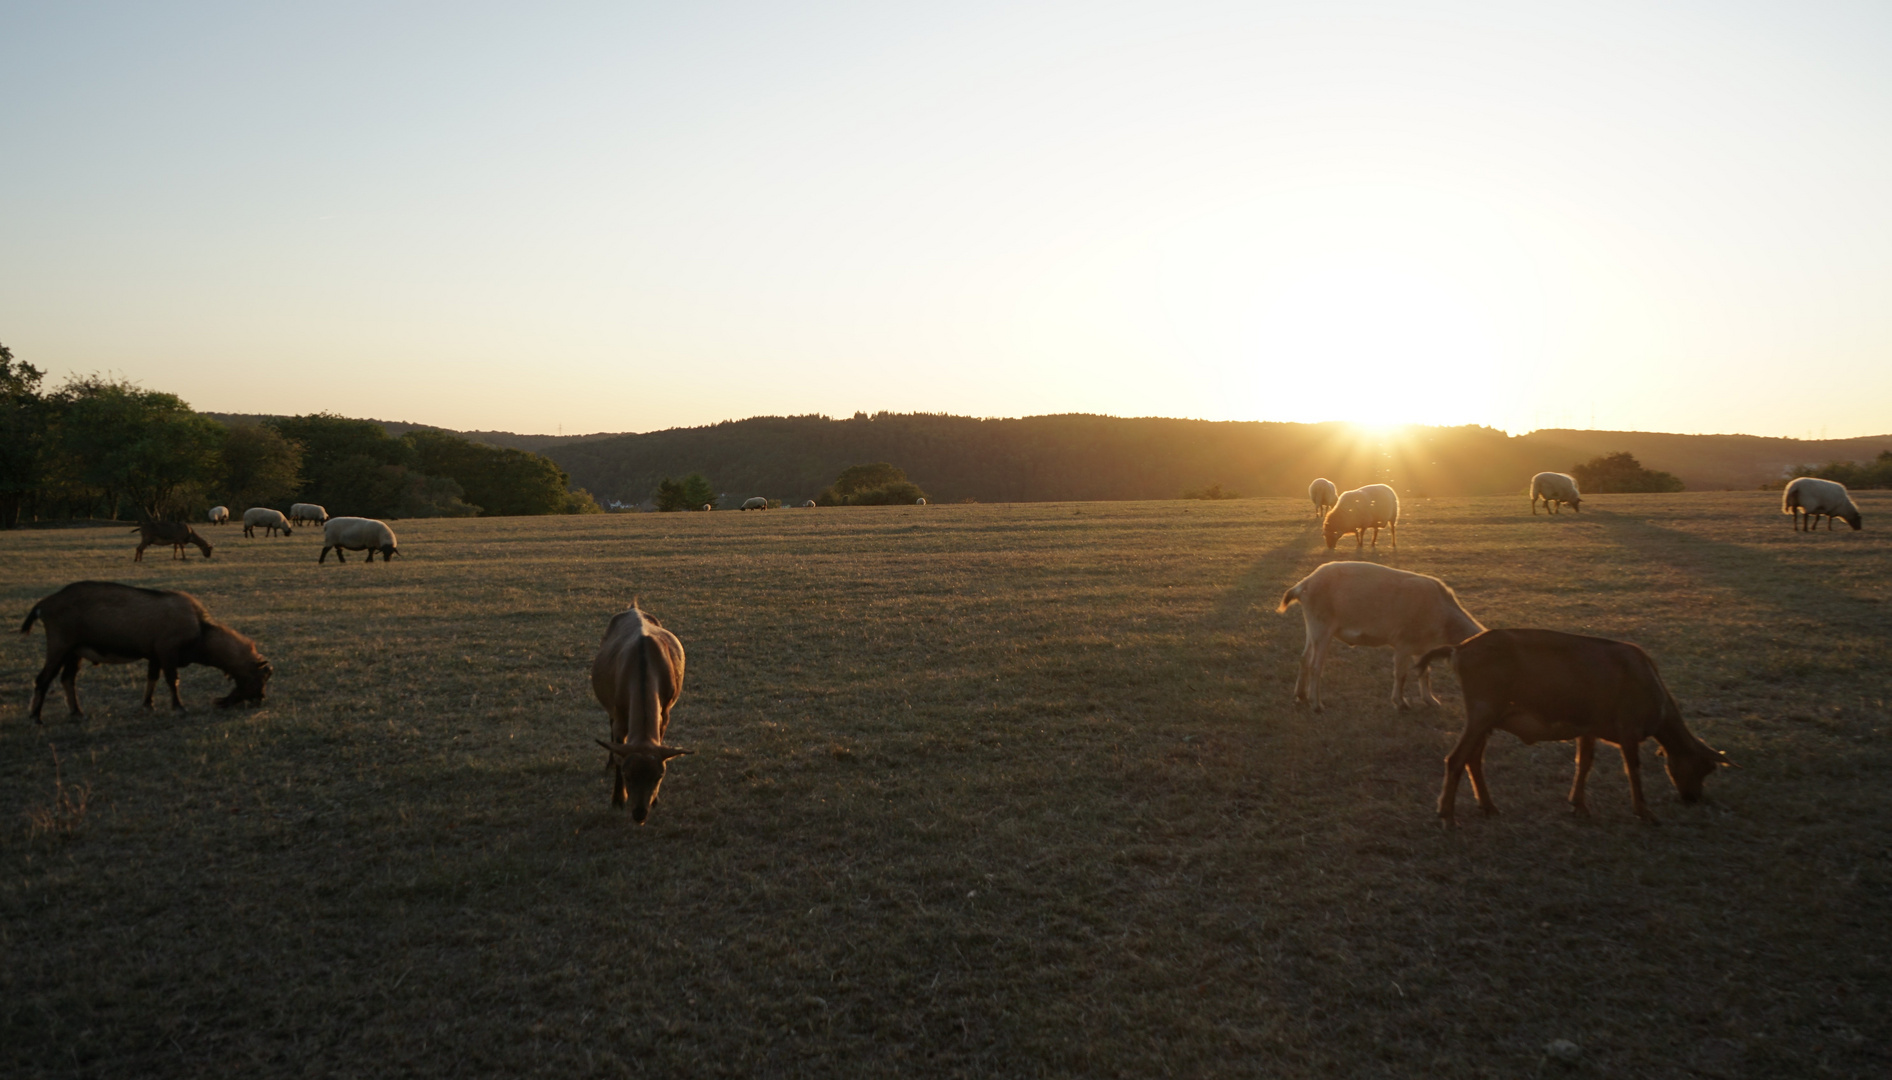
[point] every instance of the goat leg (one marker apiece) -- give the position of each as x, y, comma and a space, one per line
1632, 765
1586, 756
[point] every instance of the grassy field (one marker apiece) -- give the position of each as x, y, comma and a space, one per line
1007, 790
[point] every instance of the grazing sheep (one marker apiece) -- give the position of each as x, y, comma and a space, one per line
1545, 685
638, 676
1324, 494
174, 533
708, 506
266, 519
919, 502
108, 623
219, 515
755, 504
1374, 506
1555, 489
809, 505
307, 514
357, 534
1816, 498
1364, 603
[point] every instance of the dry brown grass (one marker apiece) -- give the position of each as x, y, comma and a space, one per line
979, 790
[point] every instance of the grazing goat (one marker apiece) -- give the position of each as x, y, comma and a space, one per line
1324, 494
108, 623
307, 514
174, 533
1364, 603
266, 519
1374, 506
755, 504
1547, 685
219, 515
1816, 498
638, 676
357, 534
1555, 489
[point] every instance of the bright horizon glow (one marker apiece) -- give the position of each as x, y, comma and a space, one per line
1624, 216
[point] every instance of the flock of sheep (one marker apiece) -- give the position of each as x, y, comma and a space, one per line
1537, 684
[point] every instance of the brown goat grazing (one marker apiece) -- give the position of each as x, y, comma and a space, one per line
174, 533
637, 677
1546, 685
108, 623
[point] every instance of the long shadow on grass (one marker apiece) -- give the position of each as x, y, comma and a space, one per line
1263, 582
1757, 575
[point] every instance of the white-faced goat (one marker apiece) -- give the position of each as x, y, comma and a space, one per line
1374, 506
638, 676
262, 517
1324, 494
1366, 604
1809, 498
1556, 489
357, 534
1546, 685
108, 623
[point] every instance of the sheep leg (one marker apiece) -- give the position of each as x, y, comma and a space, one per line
1586, 756
1393, 531
1533, 506
69, 682
1632, 765
1829, 523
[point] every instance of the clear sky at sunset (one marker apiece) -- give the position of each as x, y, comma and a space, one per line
620, 217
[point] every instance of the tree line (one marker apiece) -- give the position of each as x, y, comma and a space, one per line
97, 447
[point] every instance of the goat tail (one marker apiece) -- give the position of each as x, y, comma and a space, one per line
1293, 594
1443, 652
31, 618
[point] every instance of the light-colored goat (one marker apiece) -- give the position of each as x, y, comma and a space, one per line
1324, 494
1816, 498
1366, 604
1374, 506
262, 517
357, 534
1556, 489
638, 676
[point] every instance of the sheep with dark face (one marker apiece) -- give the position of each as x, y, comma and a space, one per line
1809, 498
1556, 490
219, 515
108, 623
638, 676
262, 517
357, 534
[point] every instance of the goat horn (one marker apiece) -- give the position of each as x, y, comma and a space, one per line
665, 753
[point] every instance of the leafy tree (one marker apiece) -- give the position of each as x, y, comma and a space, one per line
1854, 474
579, 501
1621, 473
879, 484
352, 467
858, 478
24, 419
260, 467
502, 482
136, 445
689, 493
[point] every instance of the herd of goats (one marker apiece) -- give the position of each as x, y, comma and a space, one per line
1537, 684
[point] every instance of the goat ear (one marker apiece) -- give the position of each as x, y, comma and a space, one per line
615, 751
667, 752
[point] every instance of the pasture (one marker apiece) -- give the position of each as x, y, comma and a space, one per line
1009, 790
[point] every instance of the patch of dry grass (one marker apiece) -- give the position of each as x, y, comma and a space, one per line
979, 790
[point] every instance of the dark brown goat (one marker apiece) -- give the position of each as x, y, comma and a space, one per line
638, 676
1546, 685
108, 623
174, 533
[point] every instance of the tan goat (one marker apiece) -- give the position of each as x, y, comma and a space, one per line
638, 676
1364, 603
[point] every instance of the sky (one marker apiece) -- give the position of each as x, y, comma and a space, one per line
625, 217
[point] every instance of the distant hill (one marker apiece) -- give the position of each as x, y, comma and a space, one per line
1086, 457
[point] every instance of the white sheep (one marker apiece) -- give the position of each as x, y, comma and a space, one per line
307, 513
1816, 498
1555, 488
219, 515
1324, 494
1364, 603
919, 502
266, 519
755, 504
809, 505
1374, 506
355, 534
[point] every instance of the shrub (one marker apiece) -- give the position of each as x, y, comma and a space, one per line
1854, 474
1621, 473
1212, 492
690, 493
879, 484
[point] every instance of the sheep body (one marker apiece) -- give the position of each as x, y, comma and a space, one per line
1374, 506
1815, 498
757, 503
219, 515
1324, 494
1555, 489
355, 534
1366, 604
262, 517
307, 512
